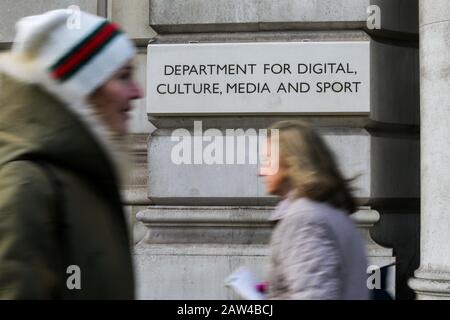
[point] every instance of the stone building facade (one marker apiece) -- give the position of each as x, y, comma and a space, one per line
193, 225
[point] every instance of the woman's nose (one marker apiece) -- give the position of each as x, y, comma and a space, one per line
137, 91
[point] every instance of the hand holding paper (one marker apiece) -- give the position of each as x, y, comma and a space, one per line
245, 284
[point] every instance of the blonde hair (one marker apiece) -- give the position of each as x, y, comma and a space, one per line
311, 168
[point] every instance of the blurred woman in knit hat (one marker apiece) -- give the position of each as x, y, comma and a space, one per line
65, 97
316, 250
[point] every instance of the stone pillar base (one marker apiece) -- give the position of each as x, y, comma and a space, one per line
188, 251
431, 285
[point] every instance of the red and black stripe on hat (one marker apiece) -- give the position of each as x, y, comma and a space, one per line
80, 55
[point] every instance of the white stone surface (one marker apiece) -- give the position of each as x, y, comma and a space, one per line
206, 224
252, 14
435, 134
334, 77
386, 167
400, 16
13, 10
434, 11
134, 188
433, 277
198, 271
227, 184
133, 17
189, 251
193, 271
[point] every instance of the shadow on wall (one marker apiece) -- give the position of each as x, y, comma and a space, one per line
401, 231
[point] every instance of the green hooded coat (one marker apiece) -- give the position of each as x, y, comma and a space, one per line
63, 233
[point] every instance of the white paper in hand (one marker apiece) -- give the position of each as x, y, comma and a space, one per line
244, 283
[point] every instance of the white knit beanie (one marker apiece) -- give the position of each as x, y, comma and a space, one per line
71, 60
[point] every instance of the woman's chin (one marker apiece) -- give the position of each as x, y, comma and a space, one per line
272, 191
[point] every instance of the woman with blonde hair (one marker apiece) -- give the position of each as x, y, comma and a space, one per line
316, 250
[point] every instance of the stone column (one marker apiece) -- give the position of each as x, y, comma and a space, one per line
432, 279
